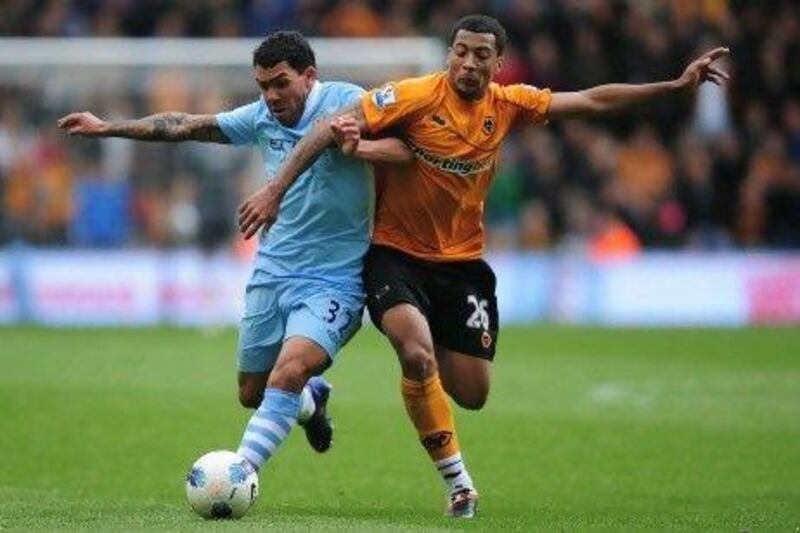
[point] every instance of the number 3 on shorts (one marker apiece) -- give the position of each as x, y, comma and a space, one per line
332, 310
333, 314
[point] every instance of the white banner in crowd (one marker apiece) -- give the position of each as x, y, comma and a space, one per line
190, 288
772, 289
200, 289
64, 287
662, 289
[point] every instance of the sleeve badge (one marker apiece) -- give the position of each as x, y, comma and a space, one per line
384, 97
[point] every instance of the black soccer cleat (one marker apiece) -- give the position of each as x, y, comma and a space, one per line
318, 428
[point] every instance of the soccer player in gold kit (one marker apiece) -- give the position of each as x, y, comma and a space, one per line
428, 290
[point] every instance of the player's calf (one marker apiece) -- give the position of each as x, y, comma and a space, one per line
472, 400
251, 388
285, 403
293, 372
468, 394
466, 378
250, 399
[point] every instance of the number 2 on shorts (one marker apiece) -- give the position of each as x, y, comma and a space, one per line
479, 319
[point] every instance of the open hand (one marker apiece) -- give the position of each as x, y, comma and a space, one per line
346, 133
260, 210
703, 69
85, 124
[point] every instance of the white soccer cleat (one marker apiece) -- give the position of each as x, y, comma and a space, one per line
462, 504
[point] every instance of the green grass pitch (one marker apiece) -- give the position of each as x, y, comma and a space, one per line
586, 429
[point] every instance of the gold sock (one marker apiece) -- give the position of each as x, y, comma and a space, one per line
429, 409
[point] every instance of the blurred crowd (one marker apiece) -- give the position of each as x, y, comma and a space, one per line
717, 171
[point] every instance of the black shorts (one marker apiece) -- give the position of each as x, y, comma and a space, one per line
456, 297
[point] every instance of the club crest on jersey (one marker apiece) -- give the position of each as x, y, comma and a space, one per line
384, 97
488, 125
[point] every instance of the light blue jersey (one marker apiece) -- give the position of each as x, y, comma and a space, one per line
323, 226
307, 275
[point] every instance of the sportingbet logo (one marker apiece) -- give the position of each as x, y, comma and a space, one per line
384, 97
462, 167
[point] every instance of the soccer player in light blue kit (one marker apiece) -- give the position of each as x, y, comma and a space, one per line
304, 300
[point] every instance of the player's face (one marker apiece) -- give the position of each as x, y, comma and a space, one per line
472, 62
285, 90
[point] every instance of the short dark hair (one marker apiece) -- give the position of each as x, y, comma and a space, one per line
481, 24
289, 46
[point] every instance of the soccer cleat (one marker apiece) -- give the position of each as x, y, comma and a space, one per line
318, 428
462, 504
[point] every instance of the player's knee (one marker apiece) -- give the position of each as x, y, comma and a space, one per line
291, 374
417, 359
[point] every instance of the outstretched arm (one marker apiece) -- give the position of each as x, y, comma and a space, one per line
261, 209
169, 127
610, 98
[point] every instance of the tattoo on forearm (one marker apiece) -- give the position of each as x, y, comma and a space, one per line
171, 127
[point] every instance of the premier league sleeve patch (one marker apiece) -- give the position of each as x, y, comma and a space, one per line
384, 97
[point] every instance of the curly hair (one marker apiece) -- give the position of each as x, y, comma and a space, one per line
289, 46
481, 24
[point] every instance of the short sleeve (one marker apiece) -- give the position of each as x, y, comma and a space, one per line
348, 93
239, 125
532, 104
390, 104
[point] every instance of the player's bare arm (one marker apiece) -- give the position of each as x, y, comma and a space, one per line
611, 98
347, 135
390, 150
261, 209
165, 127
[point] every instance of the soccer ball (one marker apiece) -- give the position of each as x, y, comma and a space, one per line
221, 484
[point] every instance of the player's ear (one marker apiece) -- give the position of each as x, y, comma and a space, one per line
310, 73
500, 62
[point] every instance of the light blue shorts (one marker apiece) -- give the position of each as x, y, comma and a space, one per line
276, 310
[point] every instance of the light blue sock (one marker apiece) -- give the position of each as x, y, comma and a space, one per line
269, 426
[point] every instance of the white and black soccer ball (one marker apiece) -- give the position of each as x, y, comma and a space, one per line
221, 484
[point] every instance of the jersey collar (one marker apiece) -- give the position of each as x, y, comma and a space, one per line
312, 100
467, 104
